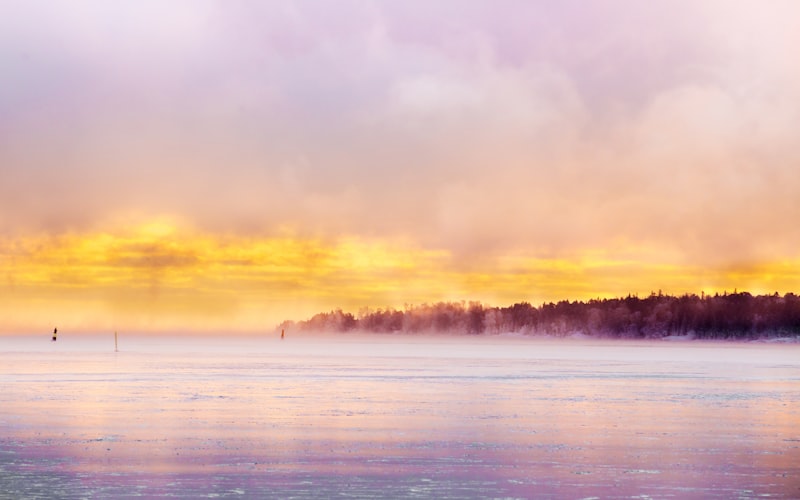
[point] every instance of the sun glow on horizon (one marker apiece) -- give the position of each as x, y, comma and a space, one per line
160, 275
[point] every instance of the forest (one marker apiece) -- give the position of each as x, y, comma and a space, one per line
738, 315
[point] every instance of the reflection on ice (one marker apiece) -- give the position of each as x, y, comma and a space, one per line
398, 417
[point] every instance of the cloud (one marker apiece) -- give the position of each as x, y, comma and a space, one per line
537, 127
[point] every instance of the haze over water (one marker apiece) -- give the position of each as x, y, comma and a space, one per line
214, 167
397, 417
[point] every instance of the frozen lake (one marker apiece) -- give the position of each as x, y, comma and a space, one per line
397, 417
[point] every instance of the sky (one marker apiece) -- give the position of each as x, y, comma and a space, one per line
223, 166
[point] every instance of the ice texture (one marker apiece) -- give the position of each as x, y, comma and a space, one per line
397, 417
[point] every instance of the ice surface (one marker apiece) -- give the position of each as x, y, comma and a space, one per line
397, 417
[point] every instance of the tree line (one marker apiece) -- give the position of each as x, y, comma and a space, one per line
738, 315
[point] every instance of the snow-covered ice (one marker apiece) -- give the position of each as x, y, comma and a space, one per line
397, 417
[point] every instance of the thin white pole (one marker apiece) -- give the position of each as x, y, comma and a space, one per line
115, 342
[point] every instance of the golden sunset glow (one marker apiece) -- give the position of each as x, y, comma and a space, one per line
159, 275
210, 166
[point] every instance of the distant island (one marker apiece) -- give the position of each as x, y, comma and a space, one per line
738, 315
